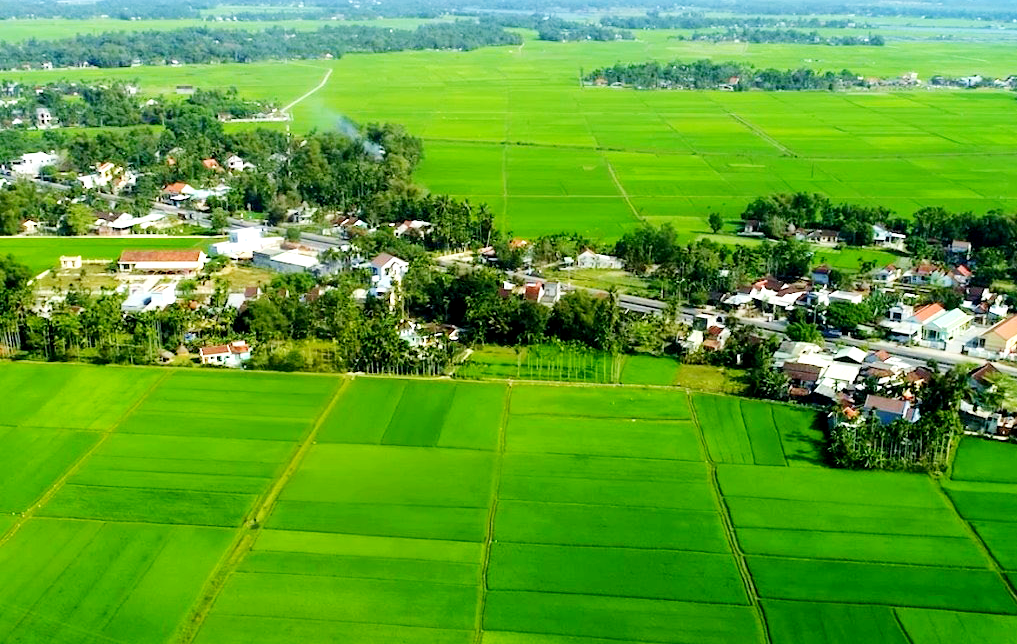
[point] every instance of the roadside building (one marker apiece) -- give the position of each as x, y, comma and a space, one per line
184, 262
1001, 339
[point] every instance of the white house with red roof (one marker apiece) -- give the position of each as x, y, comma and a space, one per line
184, 262
232, 355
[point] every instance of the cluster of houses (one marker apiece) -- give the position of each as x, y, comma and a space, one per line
857, 383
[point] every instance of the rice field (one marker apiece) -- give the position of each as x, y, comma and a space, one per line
420, 511
549, 155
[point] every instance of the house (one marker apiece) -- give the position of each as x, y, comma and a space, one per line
887, 238
751, 227
821, 237
185, 89
918, 377
44, 118
983, 377
415, 228
1001, 339
70, 262
887, 275
185, 262
102, 177
301, 215
821, 275
232, 355
716, 337
31, 164
790, 351
285, 261
802, 375
941, 329
533, 292
900, 312
850, 354
387, 272
237, 164
960, 275
850, 297
590, 259
959, 250
887, 410
175, 193
211, 164
552, 293
152, 295
905, 323
113, 224
243, 242
30, 226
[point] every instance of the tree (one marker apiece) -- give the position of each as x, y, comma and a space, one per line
804, 332
78, 220
768, 383
846, 316
219, 220
716, 222
15, 289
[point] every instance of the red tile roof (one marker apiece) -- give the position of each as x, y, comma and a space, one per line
1005, 329
133, 256
926, 312
533, 292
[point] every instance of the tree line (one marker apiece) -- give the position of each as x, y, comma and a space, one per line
556, 29
792, 36
707, 74
699, 20
217, 45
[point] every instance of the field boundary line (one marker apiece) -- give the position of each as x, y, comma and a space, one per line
751, 592
984, 547
328, 74
249, 531
900, 625
621, 189
73, 469
761, 133
489, 537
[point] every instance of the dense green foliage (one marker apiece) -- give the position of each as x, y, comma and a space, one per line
209, 45
794, 36
706, 74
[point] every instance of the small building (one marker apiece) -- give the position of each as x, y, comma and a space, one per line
887, 275
185, 89
821, 275
232, 355
285, 261
70, 262
31, 164
959, 250
30, 227
589, 259
888, 410
184, 262
850, 354
533, 292
243, 242
44, 118
237, 164
850, 297
802, 375
1000, 339
414, 228
387, 272
211, 164
887, 238
945, 327
150, 296
175, 193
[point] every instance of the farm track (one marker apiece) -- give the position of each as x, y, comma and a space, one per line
324, 81
251, 528
73, 469
729, 531
495, 491
995, 565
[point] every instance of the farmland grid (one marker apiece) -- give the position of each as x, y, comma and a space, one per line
517, 512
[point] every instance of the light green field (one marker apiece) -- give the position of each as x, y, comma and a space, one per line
41, 253
459, 512
549, 155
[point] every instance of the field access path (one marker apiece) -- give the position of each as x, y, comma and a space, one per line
248, 534
728, 522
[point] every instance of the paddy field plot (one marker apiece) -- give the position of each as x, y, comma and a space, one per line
455, 512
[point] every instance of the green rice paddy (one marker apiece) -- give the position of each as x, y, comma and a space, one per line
421, 511
549, 155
